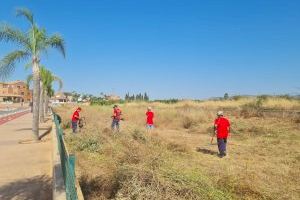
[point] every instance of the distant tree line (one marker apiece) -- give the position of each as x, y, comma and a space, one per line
137, 97
263, 97
102, 100
167, 101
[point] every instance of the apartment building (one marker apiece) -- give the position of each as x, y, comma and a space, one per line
16, 91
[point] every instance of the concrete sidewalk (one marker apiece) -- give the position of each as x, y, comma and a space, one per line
25, 169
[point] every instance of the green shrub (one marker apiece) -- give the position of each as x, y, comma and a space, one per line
260, 100
103, 102
66, 125
84, 143
254, 109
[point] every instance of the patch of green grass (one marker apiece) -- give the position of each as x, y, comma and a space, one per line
84, 143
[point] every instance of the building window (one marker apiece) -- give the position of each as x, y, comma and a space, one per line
4, 86
22, 93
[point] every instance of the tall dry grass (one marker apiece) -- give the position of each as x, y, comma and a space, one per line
176, 160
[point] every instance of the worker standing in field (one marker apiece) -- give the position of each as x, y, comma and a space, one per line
116, 118
150, 117
75, 119
222, 130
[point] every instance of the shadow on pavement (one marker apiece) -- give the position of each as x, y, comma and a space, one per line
29, 129
46, 132
39, 188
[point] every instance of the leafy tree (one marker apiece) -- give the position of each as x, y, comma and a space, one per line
84, 97
127, 97
31, 45
140, 97
137, 97
146, 97
226, 96
75, 96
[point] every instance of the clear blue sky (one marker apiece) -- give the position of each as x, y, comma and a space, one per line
169, 48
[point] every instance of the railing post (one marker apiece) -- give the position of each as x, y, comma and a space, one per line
67, 162
72, 178
72, 162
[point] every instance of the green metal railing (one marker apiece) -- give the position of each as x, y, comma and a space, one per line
67, 163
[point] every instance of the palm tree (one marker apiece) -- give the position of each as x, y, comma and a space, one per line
47, 80
32, 44
48, 91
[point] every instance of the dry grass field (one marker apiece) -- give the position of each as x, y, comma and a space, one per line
177, 161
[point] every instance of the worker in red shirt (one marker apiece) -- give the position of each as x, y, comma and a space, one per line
75, 119
116, 118
222, 130
150, 117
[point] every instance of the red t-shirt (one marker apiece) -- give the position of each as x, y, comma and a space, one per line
75, 116
150, 116
222, 126
117, 114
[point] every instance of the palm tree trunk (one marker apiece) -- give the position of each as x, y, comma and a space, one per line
42, 116
46, 103
36, 98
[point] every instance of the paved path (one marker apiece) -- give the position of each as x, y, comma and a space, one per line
12, 116
25, 169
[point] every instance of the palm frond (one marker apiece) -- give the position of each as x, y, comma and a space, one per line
8, 63
50, 91
29, 79
25, 12
57, 42
45, 76
59, 80
43, 70
37, 40
28, 65
10, 34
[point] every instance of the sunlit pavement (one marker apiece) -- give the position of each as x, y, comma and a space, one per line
25, 169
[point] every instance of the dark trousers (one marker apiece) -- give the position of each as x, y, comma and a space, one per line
222, 145
115, 124
74, 126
